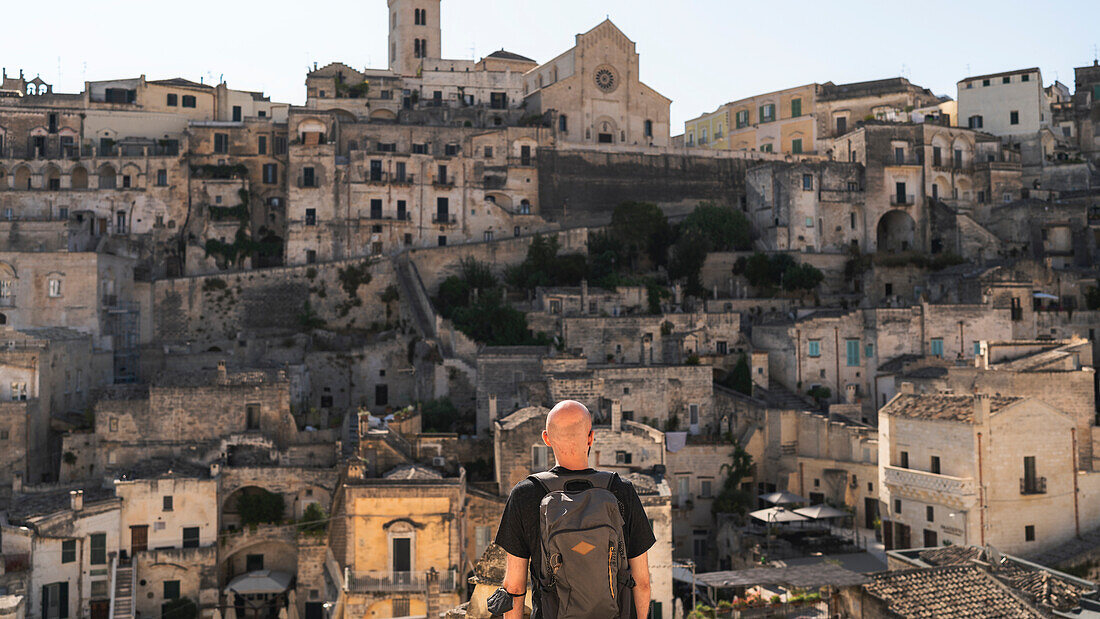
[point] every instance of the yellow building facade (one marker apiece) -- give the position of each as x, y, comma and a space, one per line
779, 122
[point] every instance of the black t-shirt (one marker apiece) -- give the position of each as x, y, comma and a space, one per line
518, 533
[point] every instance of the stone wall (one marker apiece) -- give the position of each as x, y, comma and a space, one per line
584, 186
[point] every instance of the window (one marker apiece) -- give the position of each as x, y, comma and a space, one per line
221, 143
852, 350
814, 348
171, 589
98, 549
279, 145
540, 457
897, 506
483, 537
402, 213
905, 459
252, 416
705, 488
693, 414
767, 112
173, 100
930, 513
381, 395
742, 118
488, 235
311, 217
55, 288
841, 125
450, 150
488, 152
623, 457
937, 347
563, 123
188, 101
441, 241
796, 108
869, 351
985, 82
311, 256
420, 149
721, 348
190, 537
237, 113
270, 173
162, 178
167, 502
68, 551
796, 146
1026, 77
934, 465
1029, 533
649, 129
974, 122
807, 182
977, 348
309, 177
376, 208
1014, 117
809, 222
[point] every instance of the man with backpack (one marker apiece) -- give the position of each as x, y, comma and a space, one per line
582, 533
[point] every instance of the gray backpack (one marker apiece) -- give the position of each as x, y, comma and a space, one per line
584, 572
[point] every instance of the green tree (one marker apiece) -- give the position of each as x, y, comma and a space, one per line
727, 229
732, 499
260, 507
644, 232
688, 256
740, 377
438, 415
802, 277
314, 519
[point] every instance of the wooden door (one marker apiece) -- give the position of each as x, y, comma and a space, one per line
139, 538
100, 609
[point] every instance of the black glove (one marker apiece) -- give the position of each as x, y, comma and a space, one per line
500, 601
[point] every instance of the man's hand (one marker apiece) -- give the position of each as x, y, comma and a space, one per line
515, 581
639, 570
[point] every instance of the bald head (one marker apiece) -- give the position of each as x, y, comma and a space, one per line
568, 426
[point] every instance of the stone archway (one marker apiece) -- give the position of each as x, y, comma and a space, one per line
896, 232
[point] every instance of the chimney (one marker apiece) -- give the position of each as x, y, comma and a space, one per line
981, 408
850, 394
76, 500
907, 388
222, 372
17, 482
215, 469
616, 415
493, 407
982, 360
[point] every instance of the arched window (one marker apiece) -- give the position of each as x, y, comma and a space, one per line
22, 178
78, 178
107, 176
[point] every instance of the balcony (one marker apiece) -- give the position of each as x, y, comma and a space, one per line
397, 582
389, 177
523, 162
842, 195
444, 181
443, 219
951, 165
908, 160
906, 200
1033, 485
931, 482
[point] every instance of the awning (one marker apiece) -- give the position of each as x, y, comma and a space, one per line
777, 514
260, 581
783, 498
1043, 295
821, 512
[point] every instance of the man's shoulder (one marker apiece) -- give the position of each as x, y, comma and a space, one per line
526, 488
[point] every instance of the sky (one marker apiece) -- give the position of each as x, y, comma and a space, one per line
699, 53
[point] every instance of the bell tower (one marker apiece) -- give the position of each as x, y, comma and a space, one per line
414, 34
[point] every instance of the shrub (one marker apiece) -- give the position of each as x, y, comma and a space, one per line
314, 519
260, 507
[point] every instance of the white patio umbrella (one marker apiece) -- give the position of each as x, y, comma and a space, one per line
774, 515
260, 581
821, 512
783, 498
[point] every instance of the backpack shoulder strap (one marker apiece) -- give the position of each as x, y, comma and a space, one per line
548, 480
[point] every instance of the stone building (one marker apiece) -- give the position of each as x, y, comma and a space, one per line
401, 538
839, 107
779, 122
980, 469
596, 93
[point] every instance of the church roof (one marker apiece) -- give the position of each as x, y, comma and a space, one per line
507, 55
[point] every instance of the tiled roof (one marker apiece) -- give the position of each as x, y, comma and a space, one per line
521, 416
951, 555
950, 592
1040, 586
26, 506
941, 406
643, 484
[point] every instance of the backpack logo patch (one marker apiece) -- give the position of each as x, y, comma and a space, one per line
583, 548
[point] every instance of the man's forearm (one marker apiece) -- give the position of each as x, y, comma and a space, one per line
641, 600
515, 581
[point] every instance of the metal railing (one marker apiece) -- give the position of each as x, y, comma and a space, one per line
1033, 485
395, 582
444, 181
444, 219
907, 200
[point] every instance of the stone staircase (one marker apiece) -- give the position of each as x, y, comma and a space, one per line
778, 396
124, 592
413, 292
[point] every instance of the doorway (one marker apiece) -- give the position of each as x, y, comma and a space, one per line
139, 539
